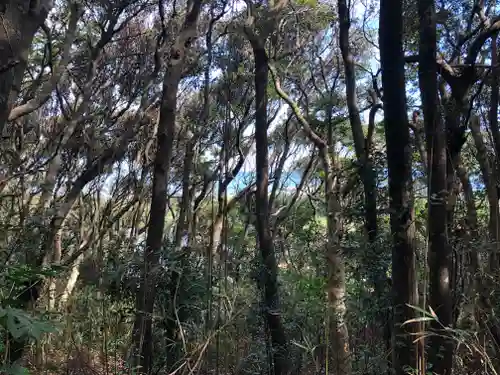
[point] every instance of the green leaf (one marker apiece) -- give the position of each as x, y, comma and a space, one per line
21, 325
15, 369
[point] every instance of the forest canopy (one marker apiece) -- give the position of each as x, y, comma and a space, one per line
246, 187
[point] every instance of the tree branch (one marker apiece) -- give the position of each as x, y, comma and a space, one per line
48, 87
315, 138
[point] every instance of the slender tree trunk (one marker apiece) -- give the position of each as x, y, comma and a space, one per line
337, 331
399, 161
107, 157
270, 272
372, 256
470, 236
56, 259
368, 176
489, 180
142, 331
71, 283
336, 289
185, 210
177, 283
218, 221
494, 98
440, 254
493, 119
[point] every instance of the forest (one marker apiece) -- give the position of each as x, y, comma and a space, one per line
248, 187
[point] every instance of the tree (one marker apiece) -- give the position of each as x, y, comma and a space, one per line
268, 282
441, 352
21, 21
143, 341
399, 162
362, 153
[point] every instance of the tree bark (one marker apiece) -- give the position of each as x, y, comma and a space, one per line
494, 98
336, 289
493, 119
20, 20
399, 162
142, 331
338, 333
265, 243
185, 209
46, 89
368, 176
440, 254
489, 180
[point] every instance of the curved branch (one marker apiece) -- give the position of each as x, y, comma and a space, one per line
49, 86
283, 213
479, 41
315, 138
281, 164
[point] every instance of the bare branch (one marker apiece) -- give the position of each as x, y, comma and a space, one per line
316, 139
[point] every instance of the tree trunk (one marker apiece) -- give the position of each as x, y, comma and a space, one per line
338, 332
494, 98
469, 237
71, 283
493, 117
399, 162
368, 176
185, 209
20, 20
489, 180
439, 257
142, 331
265, 243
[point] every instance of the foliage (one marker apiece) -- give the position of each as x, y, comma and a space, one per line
79, 163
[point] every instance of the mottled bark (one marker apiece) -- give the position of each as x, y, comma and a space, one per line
338, 333
336, 289
439, 253
399, 162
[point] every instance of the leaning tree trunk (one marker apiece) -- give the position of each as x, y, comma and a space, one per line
270, 272
399, 162
142, 331
440, 254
